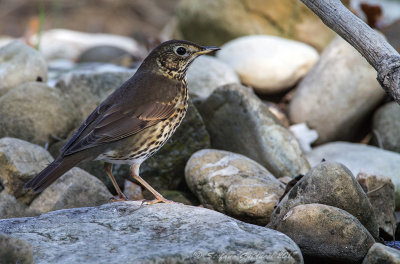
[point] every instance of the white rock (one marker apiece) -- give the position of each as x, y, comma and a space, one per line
19, 64
207, 73
269, 64
68, 44
304, 135
337, 95
361, 158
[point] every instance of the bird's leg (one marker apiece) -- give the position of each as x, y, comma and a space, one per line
134, 171
108, 169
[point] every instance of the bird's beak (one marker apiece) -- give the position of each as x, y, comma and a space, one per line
207, 49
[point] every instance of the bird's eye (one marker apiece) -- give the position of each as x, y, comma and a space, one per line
181, 51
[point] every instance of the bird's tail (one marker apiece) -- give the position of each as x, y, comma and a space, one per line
52, 172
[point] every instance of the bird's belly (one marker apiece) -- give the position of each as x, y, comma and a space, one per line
137, 148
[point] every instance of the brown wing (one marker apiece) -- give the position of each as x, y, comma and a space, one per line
135, 108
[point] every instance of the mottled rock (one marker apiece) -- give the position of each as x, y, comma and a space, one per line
361, 158
87, 89
20, 161
330, 184
380, 191
326, 233
132, 191
76, 188
386, 126
207, 73
166, 169
14, 250
338, 94
238, 121
19, 64
381, 254
233, 184
161, 233
10, 207
36, 113
212, 22
268, 64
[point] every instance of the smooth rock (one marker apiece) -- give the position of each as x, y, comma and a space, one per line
14, 250
20, 161
238, 121
68, 44
386, 126
207, 73
132, 191
86, 89
338, 94
361, 158
233, 184
103, 53
330, 184
36, 113
268, 64
380, 191
162, 233
166, 169
19, 64
10, 207
76, 188
213, 22
381, 254
326, 233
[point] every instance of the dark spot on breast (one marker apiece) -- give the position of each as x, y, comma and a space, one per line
39, 79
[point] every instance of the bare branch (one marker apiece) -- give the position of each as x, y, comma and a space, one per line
378, 52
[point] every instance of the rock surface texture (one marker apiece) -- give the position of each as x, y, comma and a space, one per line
119, 233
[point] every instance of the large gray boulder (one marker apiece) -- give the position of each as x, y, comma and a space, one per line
19, 64
162, 233
238, 121
36, 113
338, 94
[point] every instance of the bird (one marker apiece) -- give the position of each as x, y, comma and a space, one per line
134, 121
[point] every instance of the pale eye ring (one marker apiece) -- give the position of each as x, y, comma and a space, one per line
180, 51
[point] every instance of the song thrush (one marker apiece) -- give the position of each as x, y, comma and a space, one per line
133, 122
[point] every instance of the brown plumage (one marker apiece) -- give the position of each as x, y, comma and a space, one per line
135, 120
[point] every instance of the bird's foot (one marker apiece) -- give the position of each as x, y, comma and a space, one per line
158, 200
121, 198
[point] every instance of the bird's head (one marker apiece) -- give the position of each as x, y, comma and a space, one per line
173, 57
